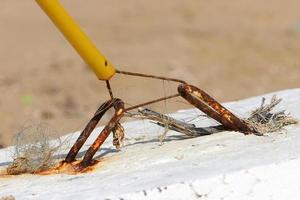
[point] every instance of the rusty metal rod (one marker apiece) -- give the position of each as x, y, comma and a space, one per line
88, 130
212, 108
119, 111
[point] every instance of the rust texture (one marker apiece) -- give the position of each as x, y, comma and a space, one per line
114, 121
88, 129
212, 108
192, 94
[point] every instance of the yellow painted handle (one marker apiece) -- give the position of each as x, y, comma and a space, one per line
85, 48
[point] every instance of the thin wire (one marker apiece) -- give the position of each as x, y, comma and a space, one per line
151, 102
150, 76
155, 77
109, 89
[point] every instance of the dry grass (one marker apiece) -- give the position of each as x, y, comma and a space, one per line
263, 120
10, 197
34, 152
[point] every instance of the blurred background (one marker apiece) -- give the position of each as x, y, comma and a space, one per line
231, 49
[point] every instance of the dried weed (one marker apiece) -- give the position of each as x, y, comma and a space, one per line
34, 151
263, 120
10, 197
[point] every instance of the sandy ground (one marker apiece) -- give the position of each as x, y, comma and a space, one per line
232, 49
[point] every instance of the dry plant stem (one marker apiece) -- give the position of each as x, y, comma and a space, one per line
89, 128
261, 113
163, 136
119, 111
118, 135
263, 121
173, 124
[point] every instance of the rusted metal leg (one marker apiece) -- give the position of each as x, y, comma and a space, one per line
88, 129
119, 111
212, 108
201, 100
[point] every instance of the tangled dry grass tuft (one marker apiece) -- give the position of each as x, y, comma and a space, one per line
34, 151
10, 197
263, 121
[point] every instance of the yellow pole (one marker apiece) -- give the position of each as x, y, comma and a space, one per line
71, 30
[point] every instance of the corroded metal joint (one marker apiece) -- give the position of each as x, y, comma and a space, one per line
118, 105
